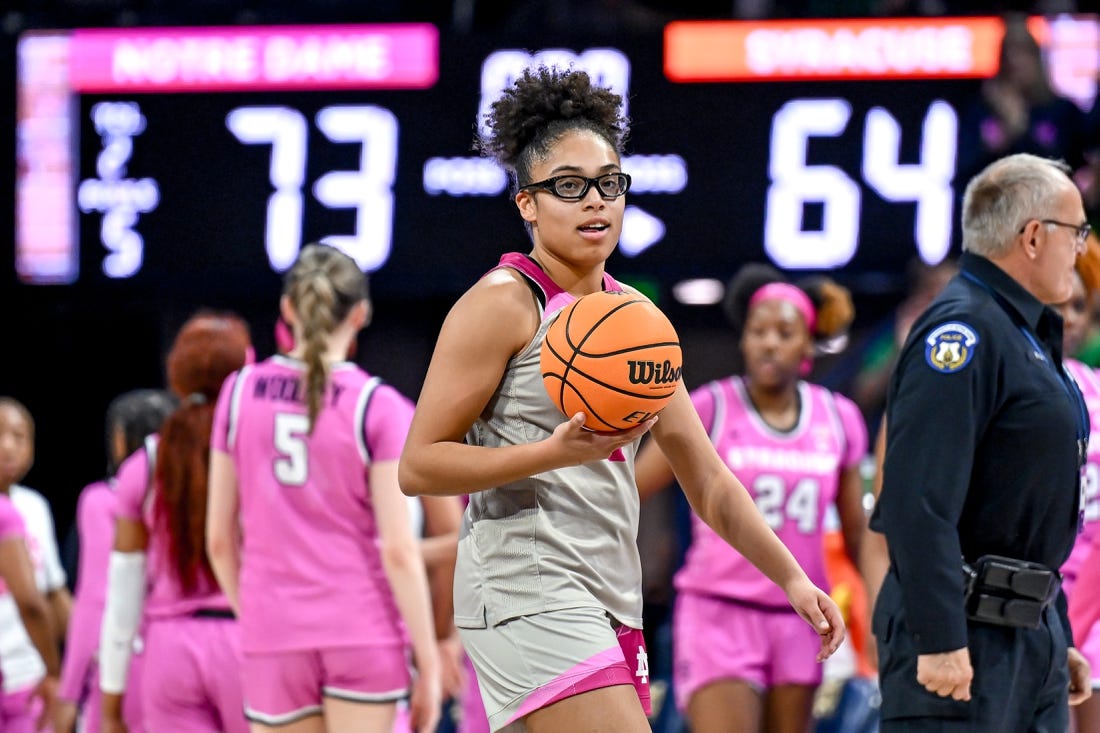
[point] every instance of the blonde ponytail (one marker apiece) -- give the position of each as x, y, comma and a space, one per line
323, 286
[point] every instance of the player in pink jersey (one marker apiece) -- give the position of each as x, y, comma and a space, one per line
17, 576
1075, 315
743, 660
548, 578
327, 575
191, 679
131, 418
436, 521
29, 626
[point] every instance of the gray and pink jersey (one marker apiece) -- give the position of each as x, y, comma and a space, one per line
562, 539
311, 570
792, 476
1088, 380
165, 597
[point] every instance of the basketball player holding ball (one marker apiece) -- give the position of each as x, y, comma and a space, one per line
743, 660
548, 580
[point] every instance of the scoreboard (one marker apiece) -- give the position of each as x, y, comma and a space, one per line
209, 155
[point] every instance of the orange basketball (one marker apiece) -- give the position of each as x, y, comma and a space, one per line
613, 356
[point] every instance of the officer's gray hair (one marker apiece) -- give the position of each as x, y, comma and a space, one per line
1004, 196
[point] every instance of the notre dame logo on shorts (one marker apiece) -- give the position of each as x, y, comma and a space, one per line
948, 348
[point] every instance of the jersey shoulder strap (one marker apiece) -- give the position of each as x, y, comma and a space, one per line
362, 407
152, 443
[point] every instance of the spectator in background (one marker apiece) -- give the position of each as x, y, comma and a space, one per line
131, 418
1018, 111
924, 282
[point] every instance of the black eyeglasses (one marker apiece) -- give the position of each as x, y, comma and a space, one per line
1081, 231
575, 188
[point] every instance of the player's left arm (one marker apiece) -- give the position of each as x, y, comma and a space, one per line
122, 615
61, 608
849, 498
223, 537
439, 547
722, 501
853, 518
57, 592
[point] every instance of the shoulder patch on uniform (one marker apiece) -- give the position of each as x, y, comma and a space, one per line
950, 347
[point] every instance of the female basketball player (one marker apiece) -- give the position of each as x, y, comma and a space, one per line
328, 574
17, 713
191, 665
26, 681
548, 584
743, 660
131, 418
1075, 315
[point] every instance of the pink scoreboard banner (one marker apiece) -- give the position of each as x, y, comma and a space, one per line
242, 58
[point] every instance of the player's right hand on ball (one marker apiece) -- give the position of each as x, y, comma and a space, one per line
581, 445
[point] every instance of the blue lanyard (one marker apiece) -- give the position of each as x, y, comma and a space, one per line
1068, 384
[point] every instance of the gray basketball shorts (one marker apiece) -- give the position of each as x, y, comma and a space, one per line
527, 663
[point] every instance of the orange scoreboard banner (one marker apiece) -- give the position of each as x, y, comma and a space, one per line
904, 48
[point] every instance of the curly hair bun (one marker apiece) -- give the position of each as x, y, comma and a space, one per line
541, 105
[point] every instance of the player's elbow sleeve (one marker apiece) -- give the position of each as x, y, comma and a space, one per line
121, 618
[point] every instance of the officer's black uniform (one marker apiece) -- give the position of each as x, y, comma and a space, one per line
985, 438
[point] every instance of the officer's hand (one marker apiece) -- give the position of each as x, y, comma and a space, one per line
1080, 677
948, 674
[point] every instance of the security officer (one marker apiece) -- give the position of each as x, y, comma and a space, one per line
980, 499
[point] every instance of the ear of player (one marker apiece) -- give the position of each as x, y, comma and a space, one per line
613, 356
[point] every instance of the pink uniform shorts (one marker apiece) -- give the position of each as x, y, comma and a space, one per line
192, 676
1091, 651
281, 687
716, 639
20, 710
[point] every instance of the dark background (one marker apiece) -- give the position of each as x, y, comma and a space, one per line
67, 350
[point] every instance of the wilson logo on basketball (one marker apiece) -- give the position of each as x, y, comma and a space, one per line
651, 372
